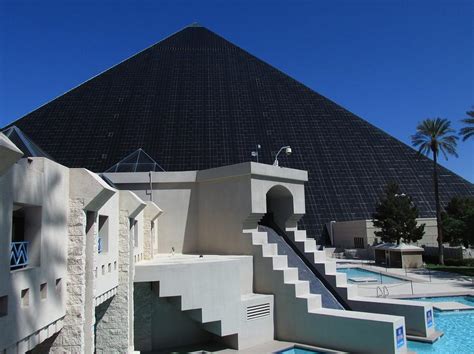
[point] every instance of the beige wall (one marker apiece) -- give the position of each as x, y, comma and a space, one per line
412, 260
176, 195
205, 210
345, 231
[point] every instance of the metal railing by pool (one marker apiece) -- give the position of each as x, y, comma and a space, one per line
18, 255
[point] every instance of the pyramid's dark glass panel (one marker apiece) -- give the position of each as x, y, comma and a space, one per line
198, 101
24, 143
137, 161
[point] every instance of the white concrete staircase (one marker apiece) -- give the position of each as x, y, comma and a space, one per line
288, 276
211, 322
325, 266
299, 316
414, 312
216, 317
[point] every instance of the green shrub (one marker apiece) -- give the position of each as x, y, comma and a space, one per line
459, 262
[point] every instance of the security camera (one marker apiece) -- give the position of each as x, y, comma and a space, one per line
287, 150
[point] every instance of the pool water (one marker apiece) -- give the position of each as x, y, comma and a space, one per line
466, 300
458, 327
298, 351
358, 272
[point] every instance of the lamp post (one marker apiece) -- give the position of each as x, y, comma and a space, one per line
287, 152
255, 153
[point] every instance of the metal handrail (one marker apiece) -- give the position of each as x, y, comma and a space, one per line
382, 291
379, 291
18, 254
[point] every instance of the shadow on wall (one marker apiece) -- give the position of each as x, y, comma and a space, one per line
190, 239
176, 199
52, 263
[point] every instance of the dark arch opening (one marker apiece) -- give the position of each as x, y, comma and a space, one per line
279, 202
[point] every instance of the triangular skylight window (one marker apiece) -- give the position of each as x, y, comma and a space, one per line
24, 143
137, 161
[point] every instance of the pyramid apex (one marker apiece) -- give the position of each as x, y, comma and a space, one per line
194, 24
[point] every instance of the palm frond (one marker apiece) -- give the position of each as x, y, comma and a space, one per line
435, 135
468, 131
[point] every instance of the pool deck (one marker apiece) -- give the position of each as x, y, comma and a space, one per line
274, 346
431, 339
451, 306
363, 279
418, 282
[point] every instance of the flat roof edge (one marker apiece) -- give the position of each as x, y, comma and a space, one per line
246, 168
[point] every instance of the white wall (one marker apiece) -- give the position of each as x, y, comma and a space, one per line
106, 271
43, 183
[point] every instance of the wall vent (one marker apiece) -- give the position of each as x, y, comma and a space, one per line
258, 311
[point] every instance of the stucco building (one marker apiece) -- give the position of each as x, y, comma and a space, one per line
133, 219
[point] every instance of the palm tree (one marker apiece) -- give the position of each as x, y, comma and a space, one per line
468, 131
435, 136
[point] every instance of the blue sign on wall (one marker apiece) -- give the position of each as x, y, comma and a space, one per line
400, 337
429, 318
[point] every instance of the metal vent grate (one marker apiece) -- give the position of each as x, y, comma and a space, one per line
258, 311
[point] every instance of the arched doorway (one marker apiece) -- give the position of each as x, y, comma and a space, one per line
279, 201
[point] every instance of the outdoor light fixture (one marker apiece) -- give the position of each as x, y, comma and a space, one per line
255, 153
287, 152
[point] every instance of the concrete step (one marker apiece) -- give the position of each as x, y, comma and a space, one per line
280, 262
196, 314
269, 250
259, 238
314, 301
310, 245
290, 275
214, 327
337, 279
350, 291
299, 235
319, 256
301, 287
329, 267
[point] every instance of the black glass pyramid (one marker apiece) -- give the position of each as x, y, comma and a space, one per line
137, 161
24, 143
199, 101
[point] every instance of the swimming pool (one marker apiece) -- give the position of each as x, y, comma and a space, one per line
379, 278
456, 325
297, 350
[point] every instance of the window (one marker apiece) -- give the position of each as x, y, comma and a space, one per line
25, 237
3, 306
134, 231
43, 291
25, 297
103, 246
59, 284
358, 242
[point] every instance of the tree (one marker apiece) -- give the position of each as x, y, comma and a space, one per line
468, 131
458, 221
395, 215
435, 136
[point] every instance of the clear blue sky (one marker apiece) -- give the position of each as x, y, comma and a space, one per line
392, 62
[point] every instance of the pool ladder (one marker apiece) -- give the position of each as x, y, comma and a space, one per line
382, 291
